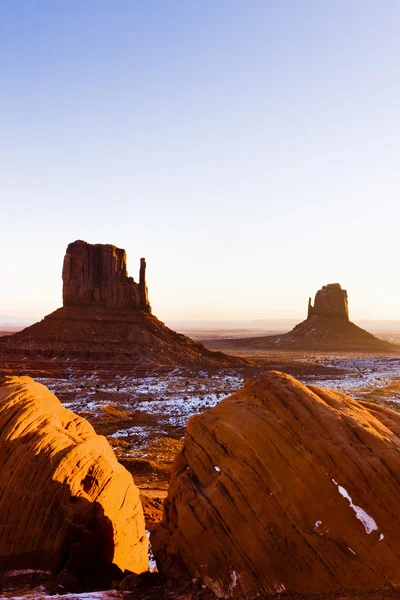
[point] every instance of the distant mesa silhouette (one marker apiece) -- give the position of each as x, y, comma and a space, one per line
330, 301
105, 321
326, 328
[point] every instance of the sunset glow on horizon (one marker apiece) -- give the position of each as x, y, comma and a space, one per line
248, 150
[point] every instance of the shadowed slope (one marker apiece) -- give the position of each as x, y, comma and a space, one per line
65, 501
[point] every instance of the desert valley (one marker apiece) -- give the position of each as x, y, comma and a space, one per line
199, 307
284, 484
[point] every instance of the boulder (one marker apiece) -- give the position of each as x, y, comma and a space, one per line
285, 488
96, 274
65, 501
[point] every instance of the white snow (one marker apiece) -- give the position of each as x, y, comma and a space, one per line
217, 469
234, 579
352, 551
365, 518
152, 560
381, 537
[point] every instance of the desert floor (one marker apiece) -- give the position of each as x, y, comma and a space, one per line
144, 420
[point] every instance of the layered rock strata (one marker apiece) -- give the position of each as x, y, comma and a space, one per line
96, 275
330, 301
285, 488
105, 322
327, 328
65, 501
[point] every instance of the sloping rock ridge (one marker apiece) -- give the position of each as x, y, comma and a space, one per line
65, 501
285, 488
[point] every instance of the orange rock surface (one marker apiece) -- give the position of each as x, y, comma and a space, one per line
65, 501
285, 488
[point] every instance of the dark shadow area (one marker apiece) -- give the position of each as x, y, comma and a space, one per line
45, 528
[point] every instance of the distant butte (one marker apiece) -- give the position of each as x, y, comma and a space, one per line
105, 323
327, 328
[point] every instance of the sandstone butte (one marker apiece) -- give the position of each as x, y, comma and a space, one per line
65, 501
285, 488
327, 328
105, 321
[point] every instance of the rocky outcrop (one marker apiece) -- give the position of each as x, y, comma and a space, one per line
285, 488
96, 275
65, 501
327, 328
105, 322
330, 301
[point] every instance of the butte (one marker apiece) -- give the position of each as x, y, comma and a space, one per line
105, 323
326, 329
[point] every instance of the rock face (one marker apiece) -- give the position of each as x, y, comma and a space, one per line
285, 488
106, 323
330, 301
96, 275
327, 328
65, 501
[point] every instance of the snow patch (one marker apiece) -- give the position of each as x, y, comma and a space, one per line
152, 560
217, 469
365, 518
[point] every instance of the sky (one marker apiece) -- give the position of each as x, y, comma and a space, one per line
248, 149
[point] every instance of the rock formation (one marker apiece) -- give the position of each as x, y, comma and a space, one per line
285, 488
65, 501
96, 275
327, 328
330, 301
106, 320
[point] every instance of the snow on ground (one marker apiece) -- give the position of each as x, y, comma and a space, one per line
363, 373
40, 593
173, 397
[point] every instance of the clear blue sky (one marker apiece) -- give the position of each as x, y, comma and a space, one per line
248, 149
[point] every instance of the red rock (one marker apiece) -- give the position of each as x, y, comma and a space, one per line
327, 328
285, 488
65, 501
330, 301
96, 274
105, 322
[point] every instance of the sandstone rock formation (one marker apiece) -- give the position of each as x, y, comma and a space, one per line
105, 322
330, 301
327, 328
96, 275
65, 501
285, 488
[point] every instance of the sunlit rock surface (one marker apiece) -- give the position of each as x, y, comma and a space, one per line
285, 488
65, 501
